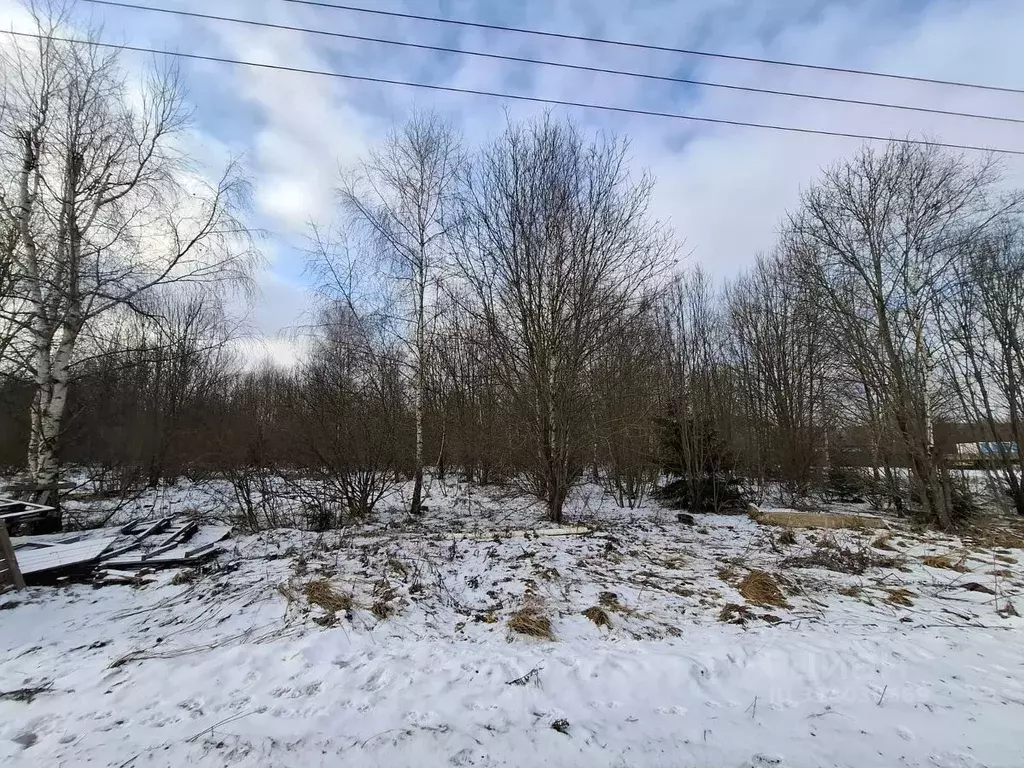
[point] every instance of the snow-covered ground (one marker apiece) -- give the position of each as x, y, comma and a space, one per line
415, 663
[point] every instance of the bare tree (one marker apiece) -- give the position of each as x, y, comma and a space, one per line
104, 206
403, 196
347, 407
467, 396
878, 237
559, 253
143, 386
625, 383
778, 347
982, 322
698, 393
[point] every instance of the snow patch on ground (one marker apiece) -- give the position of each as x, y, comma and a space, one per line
232, 665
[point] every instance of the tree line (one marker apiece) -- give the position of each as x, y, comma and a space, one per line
511, 313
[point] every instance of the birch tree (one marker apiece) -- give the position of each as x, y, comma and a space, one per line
105, 207
559, 254
403, 198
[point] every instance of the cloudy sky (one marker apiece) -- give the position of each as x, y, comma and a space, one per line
724, 189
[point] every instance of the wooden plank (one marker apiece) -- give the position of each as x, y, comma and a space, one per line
160, 550
64, 555
185, 533
199, 551
168, 559
14, 575
21, 513
121, 550
156, 527
65, 485
160, 525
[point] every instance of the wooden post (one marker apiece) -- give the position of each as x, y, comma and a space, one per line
9, 558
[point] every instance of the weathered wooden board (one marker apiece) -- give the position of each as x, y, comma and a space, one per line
63, 555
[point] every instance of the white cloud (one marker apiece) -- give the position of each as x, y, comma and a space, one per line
724, 189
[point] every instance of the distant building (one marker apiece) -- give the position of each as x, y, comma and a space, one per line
963, 445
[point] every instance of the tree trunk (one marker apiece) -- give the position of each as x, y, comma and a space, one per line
47, 421
421, 380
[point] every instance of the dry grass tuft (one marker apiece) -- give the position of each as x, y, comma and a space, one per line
759, 588
599, 616
882, 542
852, 591
1006, 559
787, 538
549, 574
187, 576
946, 562
383, 595
728, 574
813, 520
735, 614
1007, 610
529, 621
1001, 572
999, 540
674, 563
322, 593
610, 600
833, 557
287, 591
397, 566
26, 695
900, 596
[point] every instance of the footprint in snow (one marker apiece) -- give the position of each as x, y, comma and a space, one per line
376, 681
677, 710
699, 673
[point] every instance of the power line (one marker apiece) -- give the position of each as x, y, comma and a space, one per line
562, 65
651, 47
519, 97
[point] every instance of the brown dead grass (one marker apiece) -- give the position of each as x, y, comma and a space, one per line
383, 595
946, 562
187, 576
760, 588
322, 593
832, 556
610, 600
728, 574
814, 520
549, 574
735, 614
999, 540
1007, 610
852, 591
1002, 573
900, 596
1006, 559
674, 563
882, 542
530, 621
787, 538
599, 616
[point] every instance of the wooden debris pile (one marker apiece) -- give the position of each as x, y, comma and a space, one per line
118, 552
